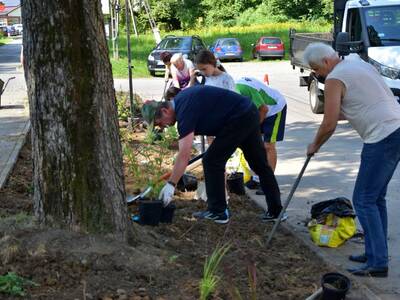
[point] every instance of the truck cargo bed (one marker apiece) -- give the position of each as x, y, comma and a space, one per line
299, 41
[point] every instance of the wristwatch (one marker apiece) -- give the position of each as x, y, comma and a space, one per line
172, 183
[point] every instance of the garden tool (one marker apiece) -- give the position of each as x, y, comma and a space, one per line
296, 183
131, 198
165, 88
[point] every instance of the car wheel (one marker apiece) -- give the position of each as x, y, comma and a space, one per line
152, 73
316, 98
259, 57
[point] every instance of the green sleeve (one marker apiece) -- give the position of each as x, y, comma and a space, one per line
250, 92
258, 97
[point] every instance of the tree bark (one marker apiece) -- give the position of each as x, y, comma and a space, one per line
78, 170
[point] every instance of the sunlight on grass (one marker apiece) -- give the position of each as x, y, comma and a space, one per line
247, 35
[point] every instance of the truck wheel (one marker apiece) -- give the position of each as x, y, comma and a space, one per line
316, 98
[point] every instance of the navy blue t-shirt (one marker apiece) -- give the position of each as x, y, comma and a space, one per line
205, 110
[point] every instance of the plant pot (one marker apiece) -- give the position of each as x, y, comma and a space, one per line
150, 212
235, 183
167, 213
188, 182
334, 286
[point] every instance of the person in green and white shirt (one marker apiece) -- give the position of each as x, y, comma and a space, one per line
272, 109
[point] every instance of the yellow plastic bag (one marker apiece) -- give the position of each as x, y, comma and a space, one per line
333, 231
237, 163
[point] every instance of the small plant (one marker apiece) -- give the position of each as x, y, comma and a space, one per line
123, 106
210, 278
13, 285
146, 161
252, 274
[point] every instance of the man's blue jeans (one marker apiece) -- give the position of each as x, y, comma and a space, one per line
378, 163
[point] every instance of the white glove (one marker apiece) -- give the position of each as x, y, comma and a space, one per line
167, 193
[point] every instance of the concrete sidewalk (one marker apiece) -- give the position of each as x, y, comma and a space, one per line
14, 113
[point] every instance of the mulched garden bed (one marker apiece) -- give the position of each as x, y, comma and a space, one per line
163, 262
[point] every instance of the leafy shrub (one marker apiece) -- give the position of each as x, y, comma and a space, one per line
13, 285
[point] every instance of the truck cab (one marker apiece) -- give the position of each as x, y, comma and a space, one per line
373, 30
377, 25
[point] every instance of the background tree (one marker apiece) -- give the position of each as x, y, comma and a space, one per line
78, 171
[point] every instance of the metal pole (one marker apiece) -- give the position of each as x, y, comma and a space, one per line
296, 183
128, 37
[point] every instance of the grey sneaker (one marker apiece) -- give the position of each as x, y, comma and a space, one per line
201, 214
219, 218
267, 217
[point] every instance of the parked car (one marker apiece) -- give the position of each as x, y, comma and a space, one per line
268, 46
18, 28
10, 31
227, 49
189, 46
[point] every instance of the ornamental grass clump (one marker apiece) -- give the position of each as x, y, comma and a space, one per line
211, 279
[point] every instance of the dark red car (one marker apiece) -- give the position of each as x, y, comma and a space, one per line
268, 46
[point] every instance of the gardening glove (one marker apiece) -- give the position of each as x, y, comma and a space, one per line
167, 193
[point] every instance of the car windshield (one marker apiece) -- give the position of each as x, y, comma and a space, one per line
229, 43
383, 25
175, 43
271, 41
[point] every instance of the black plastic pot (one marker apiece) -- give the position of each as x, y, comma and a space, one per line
334, 286
188, 182
235, 183
167, 213
150, 212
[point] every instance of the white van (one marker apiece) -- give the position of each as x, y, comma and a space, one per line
18, 28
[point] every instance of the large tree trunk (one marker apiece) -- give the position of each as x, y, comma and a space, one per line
78, 172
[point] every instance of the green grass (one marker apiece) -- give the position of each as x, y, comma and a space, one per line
4, 40
247, 35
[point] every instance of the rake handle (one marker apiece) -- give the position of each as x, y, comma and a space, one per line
296, 183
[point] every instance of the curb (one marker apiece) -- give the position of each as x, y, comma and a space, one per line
367, 293
12, 159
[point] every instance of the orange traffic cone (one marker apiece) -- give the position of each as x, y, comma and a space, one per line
266, 80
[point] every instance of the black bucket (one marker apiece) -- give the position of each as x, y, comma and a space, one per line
235, 183
187, 183
150, 212
334, 286
167, 213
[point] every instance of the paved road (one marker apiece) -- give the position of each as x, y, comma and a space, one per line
330, 174
14, 119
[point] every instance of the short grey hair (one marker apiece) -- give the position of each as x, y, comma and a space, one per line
315, 53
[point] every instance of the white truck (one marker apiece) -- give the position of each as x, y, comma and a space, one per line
372, 28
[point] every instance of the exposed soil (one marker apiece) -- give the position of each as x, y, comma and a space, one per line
163, 262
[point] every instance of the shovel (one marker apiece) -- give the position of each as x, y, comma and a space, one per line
296, 183
131, 198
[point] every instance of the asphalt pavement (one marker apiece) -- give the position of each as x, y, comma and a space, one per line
14, 113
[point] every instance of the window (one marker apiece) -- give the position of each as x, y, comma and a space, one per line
197, 44
354, 24
273, 41
383, 25
230, 43
175, 43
